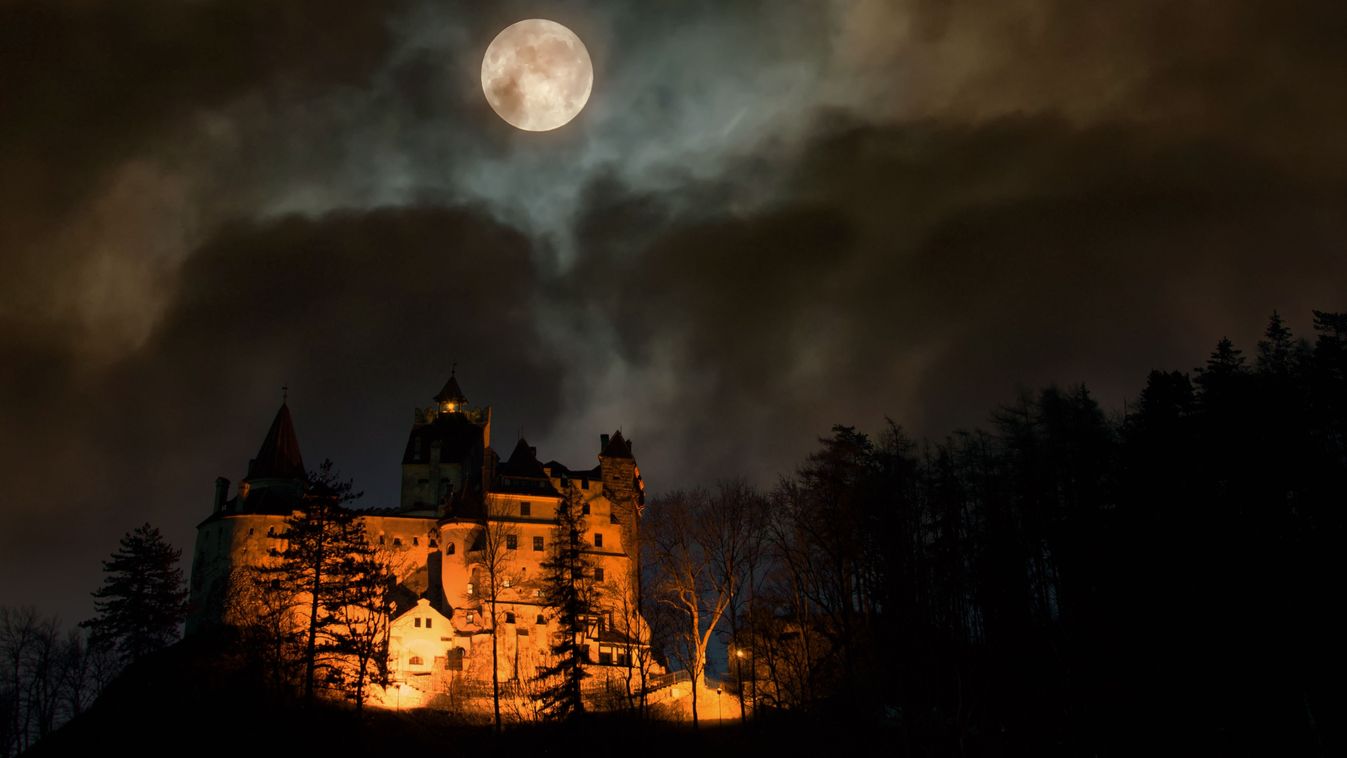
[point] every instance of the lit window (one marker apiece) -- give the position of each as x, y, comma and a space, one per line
472, 617
525, 509
598, 540
538, 544
469, 588
511, 542
505, 582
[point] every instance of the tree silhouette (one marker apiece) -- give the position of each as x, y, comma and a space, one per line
321, 538
568, 592
143, 599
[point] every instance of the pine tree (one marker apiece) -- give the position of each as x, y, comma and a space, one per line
321, 537
143, 599
568, 584
358, 610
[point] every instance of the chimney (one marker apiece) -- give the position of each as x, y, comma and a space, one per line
603, 443
221, 492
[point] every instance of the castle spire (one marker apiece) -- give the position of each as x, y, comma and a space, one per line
279, 457
451, 398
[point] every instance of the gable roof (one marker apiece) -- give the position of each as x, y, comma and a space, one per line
617, 447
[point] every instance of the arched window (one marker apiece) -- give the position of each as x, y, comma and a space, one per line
448, 548
415, 660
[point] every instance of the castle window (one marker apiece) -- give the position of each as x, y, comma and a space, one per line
434, 542
469, 588
509, 617
271, 531
381, 539
397, 542
417, 622
584, 509
449, 548
416, 541
598, 575
598, 540
415, 660
511, 542
525, 509
428, 622
472, 617
250, 531
538, 544
541, 620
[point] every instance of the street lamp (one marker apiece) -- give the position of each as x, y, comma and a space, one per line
720, 716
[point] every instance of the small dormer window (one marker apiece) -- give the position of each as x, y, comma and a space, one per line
416, 622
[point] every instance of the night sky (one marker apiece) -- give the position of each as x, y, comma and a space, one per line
771, 217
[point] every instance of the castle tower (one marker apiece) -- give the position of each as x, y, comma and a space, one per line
442, 466
623, 487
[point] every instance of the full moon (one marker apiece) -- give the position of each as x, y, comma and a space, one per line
537, 75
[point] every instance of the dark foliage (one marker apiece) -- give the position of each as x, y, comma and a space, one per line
568, 593
143, 599
1073, 583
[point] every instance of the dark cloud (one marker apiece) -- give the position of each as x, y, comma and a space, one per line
361, 313
925, 272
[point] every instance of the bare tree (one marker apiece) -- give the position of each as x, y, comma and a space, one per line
681, 548
493, 550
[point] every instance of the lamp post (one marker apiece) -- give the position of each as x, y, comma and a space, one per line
720, 715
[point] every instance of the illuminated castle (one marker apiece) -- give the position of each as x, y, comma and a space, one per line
453, 482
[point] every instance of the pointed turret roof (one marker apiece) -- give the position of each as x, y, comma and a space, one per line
279, 457
523, 462
617, 447
451, 393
